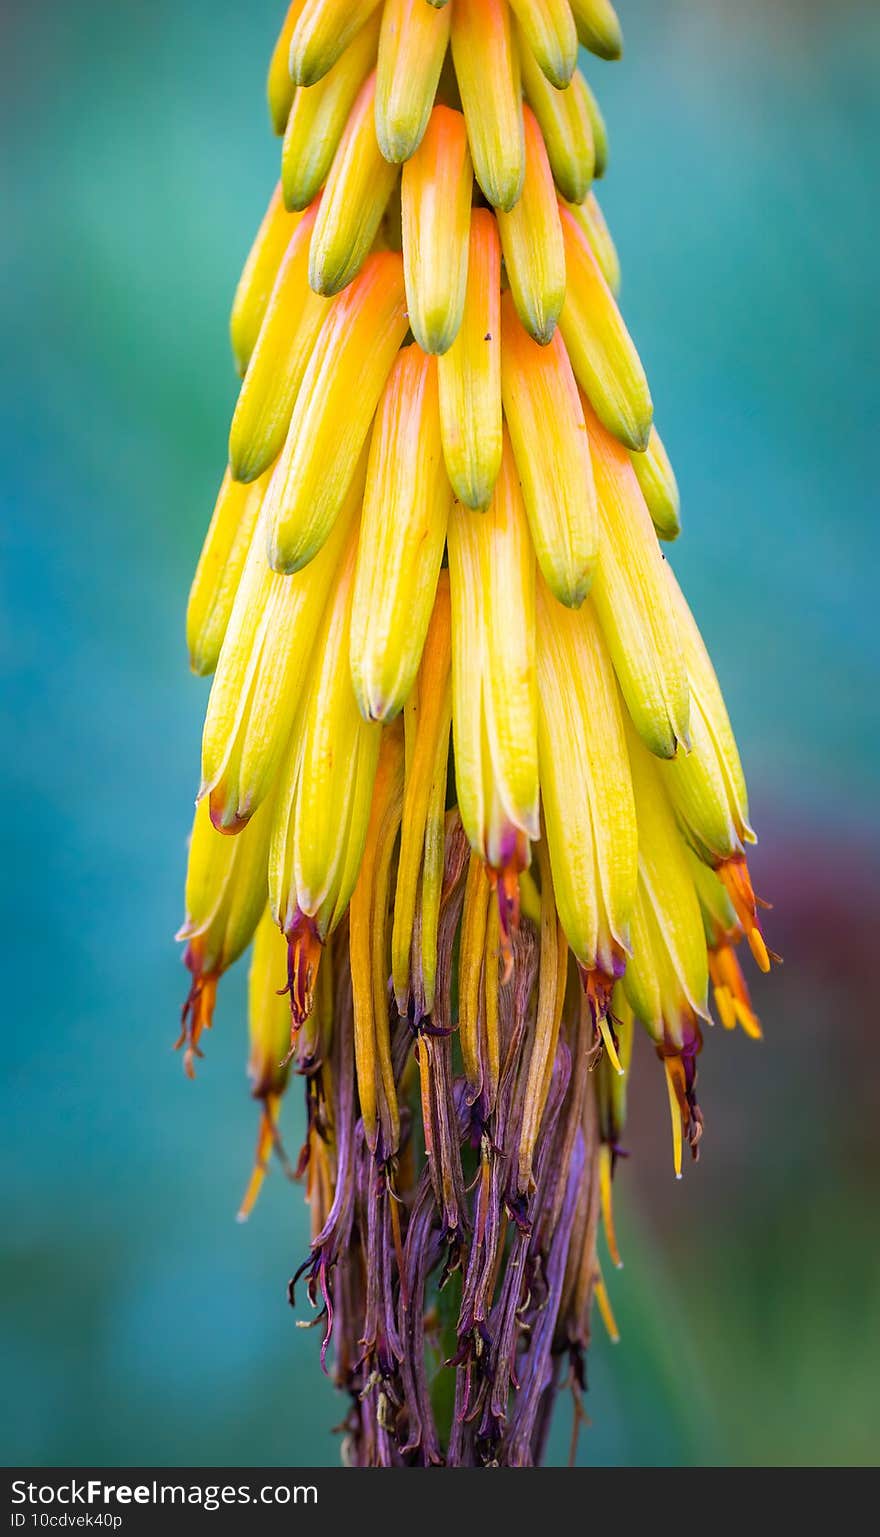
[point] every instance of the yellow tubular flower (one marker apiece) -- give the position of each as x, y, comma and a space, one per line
566, 125
707, 788
599, 130
358, 188
492, 585
469, 373
406, 510
293, 318
218, 572
331, 418
261, 670
428, 721
666, 979
605, 362
269, 1060
545, 419
656, 477
258, 278
318, 118
633, 601
323, 32
586, 789
369, 955
317, 844
436, 214
225, 895
598, 27
279, 86
487, 70
412, 47
589, 216
332, 730
548, 29
531, 240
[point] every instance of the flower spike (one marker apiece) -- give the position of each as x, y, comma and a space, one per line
469, 780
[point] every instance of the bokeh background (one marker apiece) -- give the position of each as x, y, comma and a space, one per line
140, 1324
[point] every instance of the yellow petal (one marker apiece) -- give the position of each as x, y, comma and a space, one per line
331, 418
719, 914
487, 70
531, 240
351, 209
268, 1010
436, 215
597, 125
566, 124
406, 510
323, 32
667, 977
332, 731
589, 216
279, 85
318, 118
548, 29
219, 570
258, 277
656, 477
585, 785
598, 27
605, 362
225, 889
270, 1046
293, 318
225, 895
546, 423
469, 373
411, 52
707, 788
263, 664
492, 576
633, 601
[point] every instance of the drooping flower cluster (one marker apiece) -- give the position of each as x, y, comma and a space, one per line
468, 779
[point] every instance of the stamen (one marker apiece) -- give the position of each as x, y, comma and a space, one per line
758, 948
606, 1172
604, 1302
265, 1143
672, 1068
197, 1014
609, 1044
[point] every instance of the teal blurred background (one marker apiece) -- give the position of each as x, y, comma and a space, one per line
140, 1324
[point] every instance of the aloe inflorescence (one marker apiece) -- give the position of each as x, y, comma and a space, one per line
468, 780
